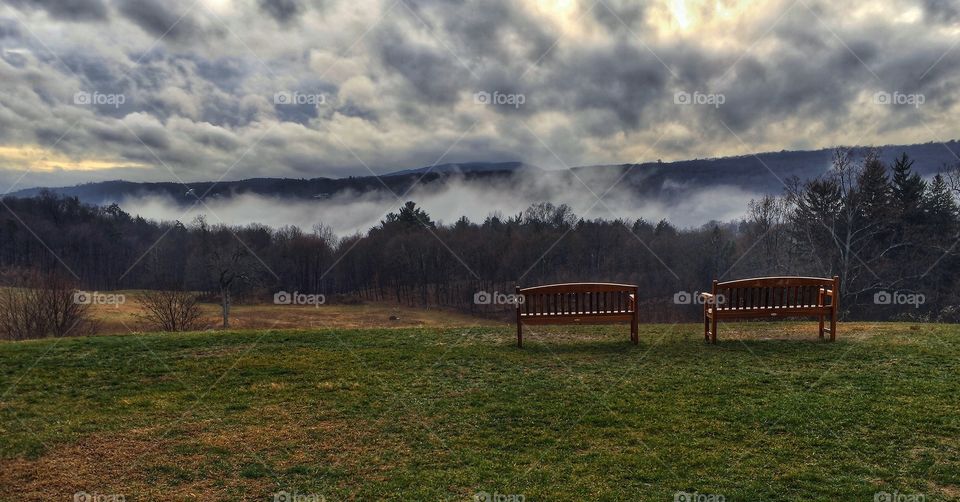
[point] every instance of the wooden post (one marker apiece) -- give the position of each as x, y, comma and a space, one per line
713, 324
706, 321
836, 307
635, 322
821, 301
519, 323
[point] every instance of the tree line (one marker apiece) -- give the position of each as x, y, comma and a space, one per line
887, 232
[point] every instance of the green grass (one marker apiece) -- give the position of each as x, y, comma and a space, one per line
427, 414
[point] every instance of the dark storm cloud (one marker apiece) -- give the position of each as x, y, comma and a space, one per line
498, 31
68, 10
793, 86
98, 72
621, 79
614, 15
433, 73
170, 19
942, 10
225, 73
283, 11
9, 28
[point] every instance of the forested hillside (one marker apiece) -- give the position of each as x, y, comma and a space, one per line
878, 225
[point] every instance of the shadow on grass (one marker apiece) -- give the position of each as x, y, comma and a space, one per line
578, 346
782, 348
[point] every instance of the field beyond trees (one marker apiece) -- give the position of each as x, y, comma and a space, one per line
770, 413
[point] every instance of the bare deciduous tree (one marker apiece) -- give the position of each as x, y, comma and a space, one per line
171, 310
42, 305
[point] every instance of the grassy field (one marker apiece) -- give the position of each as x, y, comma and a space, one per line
770, 413
123, 318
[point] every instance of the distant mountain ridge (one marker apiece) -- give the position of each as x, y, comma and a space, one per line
757, 173
462, 168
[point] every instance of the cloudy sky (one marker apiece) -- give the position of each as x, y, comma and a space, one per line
193, 90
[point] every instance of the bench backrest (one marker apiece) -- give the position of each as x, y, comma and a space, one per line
577, 298
773, 292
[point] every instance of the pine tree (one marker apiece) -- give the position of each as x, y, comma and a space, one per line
874, 192
908, 191
940, 208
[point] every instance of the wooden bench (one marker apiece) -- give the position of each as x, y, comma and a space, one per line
765, 297
578, 303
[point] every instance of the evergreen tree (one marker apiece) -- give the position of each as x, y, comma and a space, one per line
908, 191
410, 216
940, 209
875, 192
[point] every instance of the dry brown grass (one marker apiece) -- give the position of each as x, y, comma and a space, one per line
123, 318
157, 464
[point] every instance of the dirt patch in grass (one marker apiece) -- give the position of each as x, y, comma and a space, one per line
131, 463
205, 460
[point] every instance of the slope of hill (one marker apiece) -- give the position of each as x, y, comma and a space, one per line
760, 173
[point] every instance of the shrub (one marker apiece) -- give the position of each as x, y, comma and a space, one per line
42, 305
171, 310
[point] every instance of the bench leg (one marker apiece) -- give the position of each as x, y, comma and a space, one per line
706, 328
821, 327
519, 335
713, 329
833, 326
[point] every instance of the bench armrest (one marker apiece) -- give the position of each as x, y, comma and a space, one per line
633, 301
708, 300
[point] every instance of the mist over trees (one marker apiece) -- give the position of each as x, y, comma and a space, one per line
881, 227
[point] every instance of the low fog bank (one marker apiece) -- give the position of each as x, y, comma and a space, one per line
350, 212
